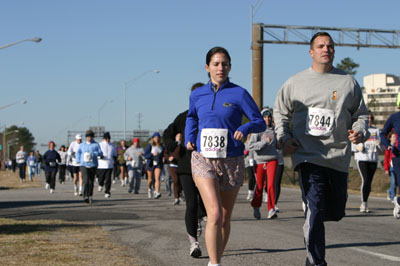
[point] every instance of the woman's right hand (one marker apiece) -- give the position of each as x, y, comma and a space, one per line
190, 146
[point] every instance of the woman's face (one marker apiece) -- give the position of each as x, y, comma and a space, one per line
393, 139
219, 68
156, 139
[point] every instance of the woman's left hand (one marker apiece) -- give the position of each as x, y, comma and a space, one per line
238, 135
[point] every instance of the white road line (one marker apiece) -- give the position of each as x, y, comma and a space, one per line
380, 255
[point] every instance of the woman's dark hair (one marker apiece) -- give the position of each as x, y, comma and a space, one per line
216, 50
196, 85
321, 33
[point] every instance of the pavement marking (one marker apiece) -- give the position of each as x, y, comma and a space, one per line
380, 255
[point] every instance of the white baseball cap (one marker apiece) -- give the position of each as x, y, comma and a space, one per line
78, 136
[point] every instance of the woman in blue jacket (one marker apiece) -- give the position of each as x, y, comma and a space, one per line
154, 153
214, 132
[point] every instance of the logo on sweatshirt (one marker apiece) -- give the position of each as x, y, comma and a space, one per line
227, 105
334, 95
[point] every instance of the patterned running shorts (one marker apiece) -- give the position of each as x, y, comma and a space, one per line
228, 171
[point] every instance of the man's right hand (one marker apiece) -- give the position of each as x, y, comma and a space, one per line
290, 146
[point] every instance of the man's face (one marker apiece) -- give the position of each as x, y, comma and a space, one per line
78, 141
123, 143
323, 51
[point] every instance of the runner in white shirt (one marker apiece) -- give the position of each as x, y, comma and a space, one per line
106, 164
73, 148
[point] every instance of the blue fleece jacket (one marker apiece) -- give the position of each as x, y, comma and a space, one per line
94, 149
222, 109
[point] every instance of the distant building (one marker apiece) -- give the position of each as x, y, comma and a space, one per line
380, 95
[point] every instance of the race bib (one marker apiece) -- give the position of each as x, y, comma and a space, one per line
214, 142
320, 122
87, 157
31, 163
370, 146
134, 163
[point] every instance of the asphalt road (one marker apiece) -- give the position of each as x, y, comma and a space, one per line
154, 230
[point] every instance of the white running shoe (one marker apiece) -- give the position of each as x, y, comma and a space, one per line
176, 202
276, 208
195, 250
265, 199
396, 210
76, 193
107, 195
100, 189
47, 185
51, 191
364, 207
272, 214
157, 195
149, 193
250, 195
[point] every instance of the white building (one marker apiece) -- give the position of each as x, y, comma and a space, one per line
380, 96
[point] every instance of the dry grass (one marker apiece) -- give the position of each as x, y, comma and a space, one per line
10, 180
55, 242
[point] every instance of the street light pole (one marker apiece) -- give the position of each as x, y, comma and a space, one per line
26, 40
101, 108
128, 84
17, 102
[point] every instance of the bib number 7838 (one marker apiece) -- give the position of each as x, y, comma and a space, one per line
214, 142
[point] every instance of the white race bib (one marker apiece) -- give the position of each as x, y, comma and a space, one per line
320, 122
31, 163
134, 164
87, 157
214, 142
370, 146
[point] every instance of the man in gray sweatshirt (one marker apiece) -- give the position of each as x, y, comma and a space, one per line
318, 113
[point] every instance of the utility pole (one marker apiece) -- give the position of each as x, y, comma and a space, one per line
257, 64
139, 117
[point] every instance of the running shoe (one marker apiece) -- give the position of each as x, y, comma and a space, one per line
199, 228
250, 195
256, 213
176, 202
265, 199
75, 193
396, 210
51, 191
272, 214
364, 207
86, 200
47, 185
90, 200
195, 250
107, 195
149, 193
157, 195
100, 189
276, 208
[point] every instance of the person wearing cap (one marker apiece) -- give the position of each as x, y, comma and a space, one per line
134, 162
51, 158
263, 145
86, 156
154, 153
318, 113
72, 150
393, 124
106, 164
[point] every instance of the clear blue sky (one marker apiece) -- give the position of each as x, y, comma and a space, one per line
90, 48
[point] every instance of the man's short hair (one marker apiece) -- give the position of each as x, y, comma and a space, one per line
320, 33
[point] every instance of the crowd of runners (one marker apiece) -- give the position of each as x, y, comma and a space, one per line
319, 119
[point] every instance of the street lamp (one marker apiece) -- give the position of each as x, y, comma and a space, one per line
17, 102
128, 84
101, 108
26, 40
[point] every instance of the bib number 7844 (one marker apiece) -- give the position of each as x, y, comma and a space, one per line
320, 122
